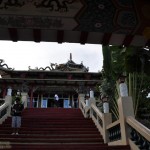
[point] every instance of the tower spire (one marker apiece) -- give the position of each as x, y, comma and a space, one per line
70, 56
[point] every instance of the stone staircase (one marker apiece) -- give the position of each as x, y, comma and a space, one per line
54, 128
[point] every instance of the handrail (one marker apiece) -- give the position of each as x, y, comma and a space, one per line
99, 113
3, 106
1, 101
84, 109
113, 124
144, 131
4, 111
117, 133
83, 103
98, 119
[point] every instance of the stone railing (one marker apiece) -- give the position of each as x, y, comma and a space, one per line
4, 112
125, 131
5, 108
139, 134
85, 109
2, 101
24, 99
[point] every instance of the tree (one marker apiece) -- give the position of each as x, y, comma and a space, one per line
135, 62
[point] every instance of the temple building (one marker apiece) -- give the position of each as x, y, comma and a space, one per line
66, 80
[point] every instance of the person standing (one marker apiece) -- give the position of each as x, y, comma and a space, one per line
16, 112
56, 100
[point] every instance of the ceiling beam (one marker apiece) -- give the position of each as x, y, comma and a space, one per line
127, 40
60, 36
83, 37
106, 39
37, 35
13, 34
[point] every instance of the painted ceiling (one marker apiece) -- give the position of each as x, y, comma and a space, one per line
89, 21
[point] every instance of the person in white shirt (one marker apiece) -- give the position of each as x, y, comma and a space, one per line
56, 100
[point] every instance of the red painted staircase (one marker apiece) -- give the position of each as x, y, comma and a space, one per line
56, 129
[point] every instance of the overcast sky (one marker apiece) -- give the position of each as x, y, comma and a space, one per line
21, 55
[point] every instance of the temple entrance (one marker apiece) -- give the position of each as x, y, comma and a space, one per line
35, 103
44, 103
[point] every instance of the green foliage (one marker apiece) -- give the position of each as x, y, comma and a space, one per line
14, 98
107, 87
107, 84
133, 61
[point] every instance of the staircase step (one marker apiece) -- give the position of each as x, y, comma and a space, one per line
54, 128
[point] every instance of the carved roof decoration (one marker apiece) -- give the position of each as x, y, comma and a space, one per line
68, 66
67, 76
72, 66
4, 66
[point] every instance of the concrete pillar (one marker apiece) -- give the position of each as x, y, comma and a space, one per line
24, 98
4, 92
106, 107
81, 98
72, 101
91, 94
9, 91
125, 105
8, 99
123, 89
92, 101
107, 119
31, 98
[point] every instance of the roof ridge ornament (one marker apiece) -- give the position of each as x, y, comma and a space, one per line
69, 66
4, 65
70, 56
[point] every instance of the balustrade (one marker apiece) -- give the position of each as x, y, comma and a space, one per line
120, 131
3, 111
114, 133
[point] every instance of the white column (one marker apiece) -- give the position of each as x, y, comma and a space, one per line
9, 91
91, 94
8, 100
24, 99
125, 105
80, 98
106, 107
123, 89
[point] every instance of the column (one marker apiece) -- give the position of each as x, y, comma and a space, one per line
24, 98
91, 94
125, 105
8, 99
80, 98
9, 91
31, 98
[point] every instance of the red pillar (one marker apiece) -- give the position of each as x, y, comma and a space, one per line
31, 98
4, 91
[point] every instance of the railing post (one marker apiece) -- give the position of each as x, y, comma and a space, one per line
81, 98
125, 105
107, 119
24, 99
8, 99
92, 101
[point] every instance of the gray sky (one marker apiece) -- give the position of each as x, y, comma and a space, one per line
20, 55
